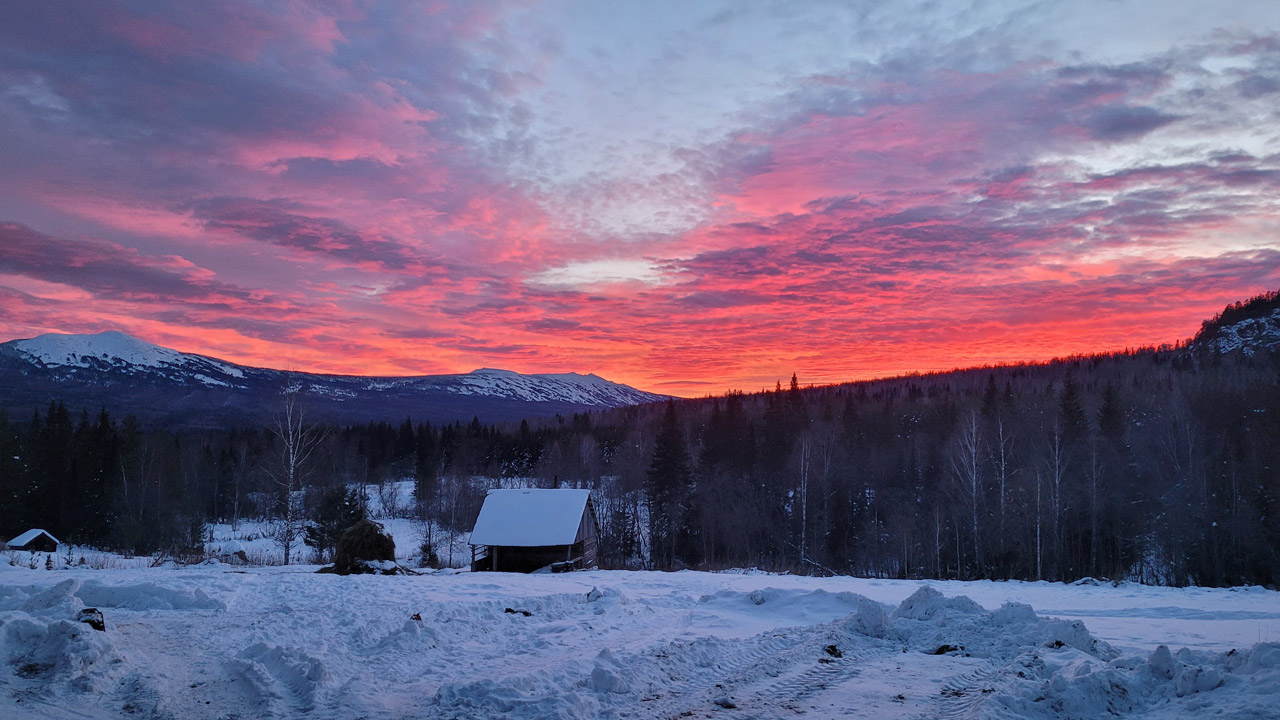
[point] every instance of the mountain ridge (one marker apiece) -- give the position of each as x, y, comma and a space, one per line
117, 370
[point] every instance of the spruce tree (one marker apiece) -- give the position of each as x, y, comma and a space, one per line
667, 487
336, 510
1111, 415
1075, 423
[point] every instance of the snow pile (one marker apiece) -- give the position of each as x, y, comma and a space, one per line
58, 653
46, 647
1019, 665
927, 621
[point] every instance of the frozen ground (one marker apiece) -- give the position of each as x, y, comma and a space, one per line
221, 642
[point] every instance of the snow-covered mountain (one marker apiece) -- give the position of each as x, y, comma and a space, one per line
113, 350
126, 374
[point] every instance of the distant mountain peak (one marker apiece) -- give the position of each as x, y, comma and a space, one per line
492, 371
54, 349
132, 375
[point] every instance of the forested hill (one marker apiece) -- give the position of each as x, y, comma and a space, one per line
1247, 326
1156, 465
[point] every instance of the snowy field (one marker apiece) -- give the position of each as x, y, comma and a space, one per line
216, 641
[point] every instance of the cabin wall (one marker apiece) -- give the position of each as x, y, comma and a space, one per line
527, 559
588, 529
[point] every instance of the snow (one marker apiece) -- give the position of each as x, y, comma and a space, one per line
215, 641
1250, 335
388, 504
76, 350
113, 348
548, 387
530, 517
28, 536
210, 381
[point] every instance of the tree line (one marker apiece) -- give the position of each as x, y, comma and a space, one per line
1156, 465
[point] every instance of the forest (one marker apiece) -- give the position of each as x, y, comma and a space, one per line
1156, 465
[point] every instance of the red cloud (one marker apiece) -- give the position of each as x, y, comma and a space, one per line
372, 190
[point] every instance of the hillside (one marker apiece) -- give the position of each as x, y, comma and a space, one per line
1247, 326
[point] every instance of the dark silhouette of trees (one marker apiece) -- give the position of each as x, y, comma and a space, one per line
668, 491
1155, 465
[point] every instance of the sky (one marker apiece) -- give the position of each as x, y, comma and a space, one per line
684, 197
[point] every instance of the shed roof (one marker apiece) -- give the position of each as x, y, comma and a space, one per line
530, 517
30, 535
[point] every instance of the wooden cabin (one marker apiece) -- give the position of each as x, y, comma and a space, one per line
34, 540
529, 529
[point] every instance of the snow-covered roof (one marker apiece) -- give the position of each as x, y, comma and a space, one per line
530, 517
30, 535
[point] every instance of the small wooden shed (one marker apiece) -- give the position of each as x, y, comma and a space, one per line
34, 540
528, 529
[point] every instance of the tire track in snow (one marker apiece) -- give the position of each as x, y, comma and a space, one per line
785, 695
965, 696
285, 679
773, 672
138, 696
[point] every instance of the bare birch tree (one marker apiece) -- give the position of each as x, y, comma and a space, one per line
966, 467
298, 440
1001, 454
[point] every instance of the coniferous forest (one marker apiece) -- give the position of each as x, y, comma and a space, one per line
1159, 465
1155, 465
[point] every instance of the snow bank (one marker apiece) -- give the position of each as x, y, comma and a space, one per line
221, 641
1019, 664
69, 596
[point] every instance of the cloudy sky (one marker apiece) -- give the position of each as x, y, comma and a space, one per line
687, 197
